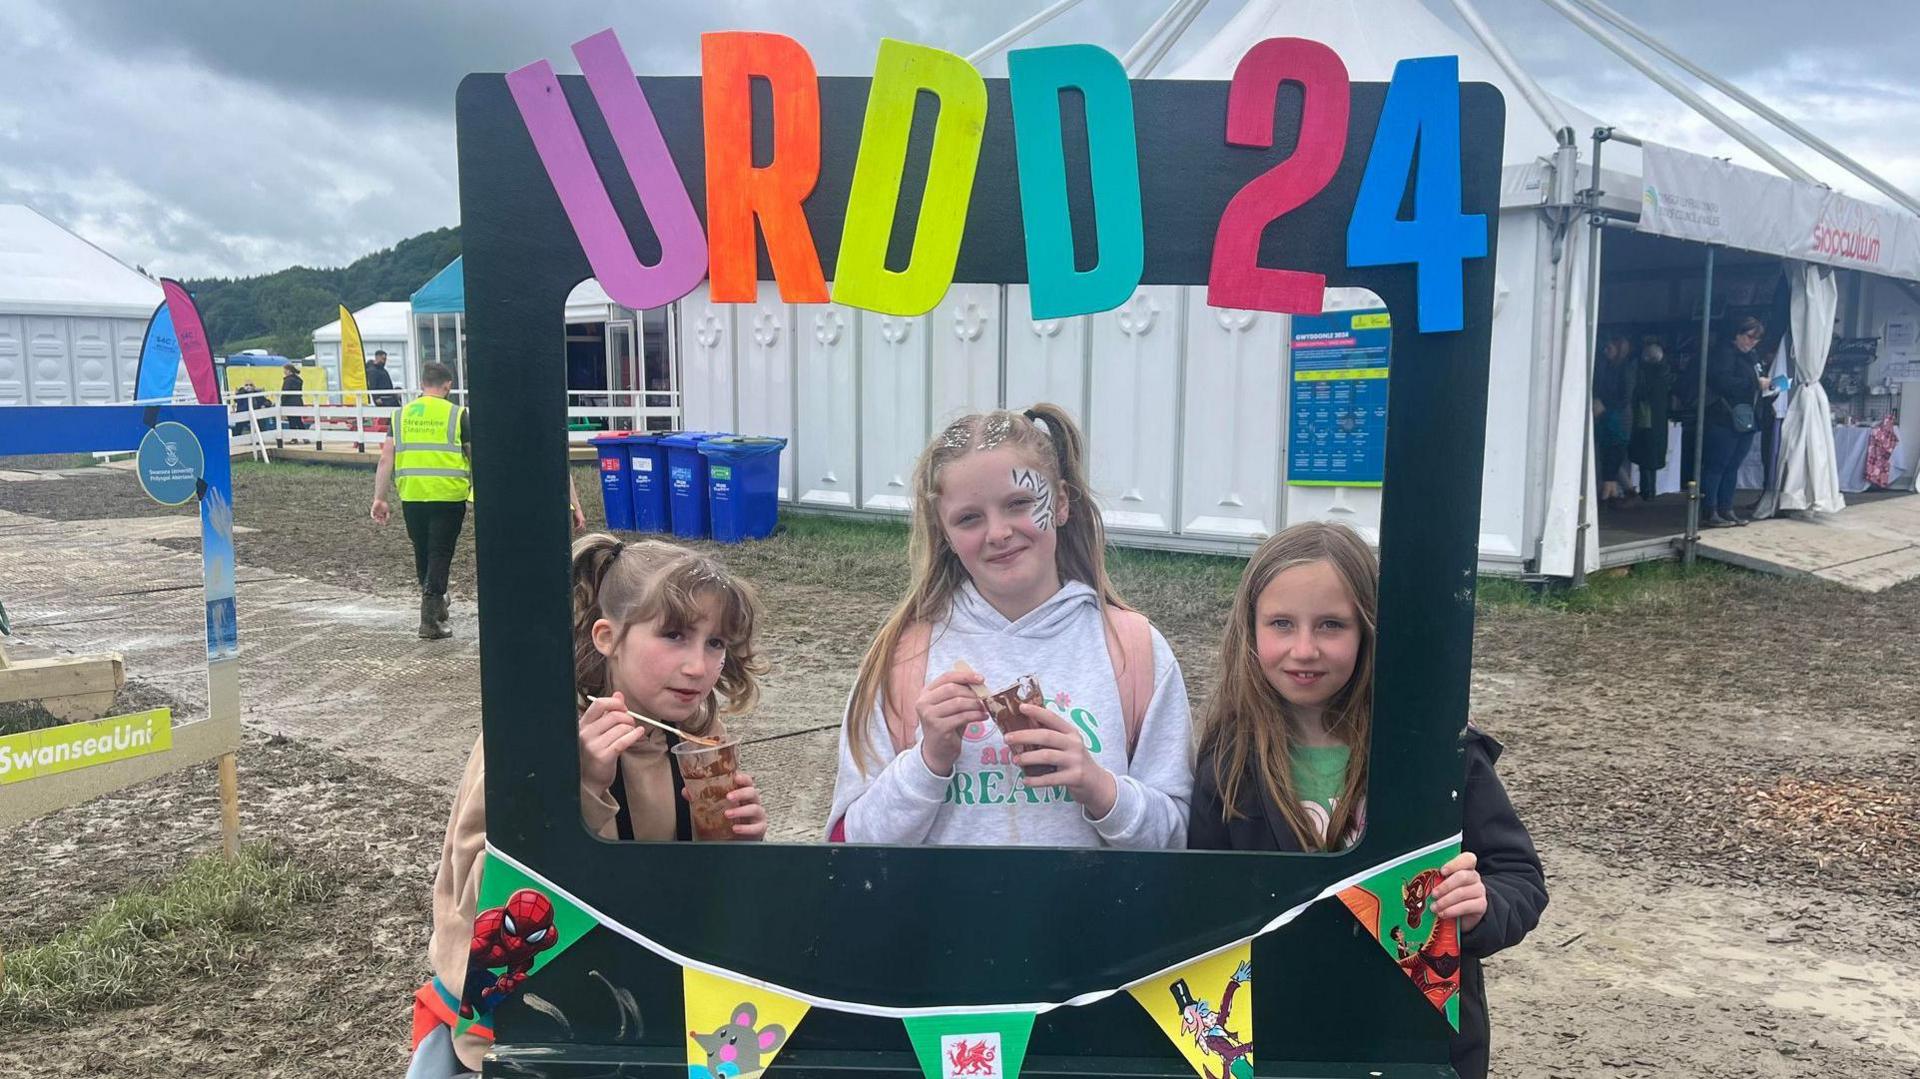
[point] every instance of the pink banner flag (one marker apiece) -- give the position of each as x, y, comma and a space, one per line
195, 352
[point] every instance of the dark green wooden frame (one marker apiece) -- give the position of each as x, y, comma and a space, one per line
913, 927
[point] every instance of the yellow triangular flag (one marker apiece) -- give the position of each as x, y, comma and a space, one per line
1206, 1010
353, 358
735, 1029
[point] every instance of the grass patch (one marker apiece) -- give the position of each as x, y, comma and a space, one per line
1644, 586
838, 553
43, 462
870, 557
202, 921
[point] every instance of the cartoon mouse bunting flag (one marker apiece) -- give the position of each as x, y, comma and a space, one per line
992, 1045
735, 1029
1206, 1010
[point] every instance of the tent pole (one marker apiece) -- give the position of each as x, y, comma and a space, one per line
987, 52
1684, 92
1543, 106
1591, 198
1759, 107
1173, 37
1139, 48
1700, 415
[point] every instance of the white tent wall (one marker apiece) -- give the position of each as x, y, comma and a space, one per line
1133, 410
893, 407
1569, 472
707, 359
826, 463
767, 341
1520, 384
388, 326
1227, 492
57, 360
72, 317
1171, 393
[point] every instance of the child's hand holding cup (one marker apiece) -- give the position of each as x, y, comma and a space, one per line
725, 804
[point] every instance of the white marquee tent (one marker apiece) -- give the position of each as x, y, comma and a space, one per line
72, 317
858, 394
386, 325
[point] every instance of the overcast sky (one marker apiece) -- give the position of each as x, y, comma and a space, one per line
216, 137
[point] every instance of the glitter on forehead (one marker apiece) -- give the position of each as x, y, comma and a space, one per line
998, 427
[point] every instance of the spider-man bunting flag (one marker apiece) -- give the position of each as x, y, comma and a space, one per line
519, 928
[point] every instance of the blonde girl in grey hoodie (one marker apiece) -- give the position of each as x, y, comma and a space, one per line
1010, 580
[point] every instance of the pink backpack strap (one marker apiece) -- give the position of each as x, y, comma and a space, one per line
905, 679
1130, 647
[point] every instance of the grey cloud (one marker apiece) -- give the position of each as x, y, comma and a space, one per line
412, 55
220, 136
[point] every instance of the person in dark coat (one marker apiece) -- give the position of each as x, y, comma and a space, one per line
379, 379
292, 397
244, 400
1652, 403
1507, 862
1733, 401
1613, 377
1284, 743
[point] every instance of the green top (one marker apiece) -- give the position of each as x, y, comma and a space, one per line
1319, 774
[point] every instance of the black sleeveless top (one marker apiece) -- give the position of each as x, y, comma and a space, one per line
682, 812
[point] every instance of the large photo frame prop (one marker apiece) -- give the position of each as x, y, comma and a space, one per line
912, 956
180, 455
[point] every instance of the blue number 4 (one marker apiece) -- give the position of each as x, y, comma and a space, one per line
1423, 104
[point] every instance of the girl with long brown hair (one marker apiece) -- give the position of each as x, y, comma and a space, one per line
1010, 586
1283, 751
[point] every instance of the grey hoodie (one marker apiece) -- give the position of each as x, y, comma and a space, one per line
985, 801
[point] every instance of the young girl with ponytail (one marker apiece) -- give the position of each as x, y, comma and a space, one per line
1009, 581
659, 629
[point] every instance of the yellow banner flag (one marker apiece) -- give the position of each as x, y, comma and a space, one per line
1206, 1010
734, 1028
353, 358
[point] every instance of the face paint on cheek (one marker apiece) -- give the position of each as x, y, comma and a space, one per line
1042, 490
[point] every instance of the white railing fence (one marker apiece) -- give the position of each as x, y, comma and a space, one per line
259, 423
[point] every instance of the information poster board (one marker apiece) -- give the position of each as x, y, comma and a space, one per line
1338, 433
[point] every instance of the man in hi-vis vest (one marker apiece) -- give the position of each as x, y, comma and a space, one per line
427, 456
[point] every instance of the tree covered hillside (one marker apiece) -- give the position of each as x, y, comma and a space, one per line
279, 311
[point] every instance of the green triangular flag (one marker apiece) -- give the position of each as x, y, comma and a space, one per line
990, 1046
1396, 907
527, 925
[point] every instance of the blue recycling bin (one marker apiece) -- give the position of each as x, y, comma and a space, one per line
649, 476
687, 482
743, 484
616, 477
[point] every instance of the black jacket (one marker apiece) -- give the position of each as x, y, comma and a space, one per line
379, 379
1731, 380
1508, 864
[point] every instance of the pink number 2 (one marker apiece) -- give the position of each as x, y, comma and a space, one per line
1237, 279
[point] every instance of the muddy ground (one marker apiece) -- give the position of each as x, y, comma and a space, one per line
1719, 772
